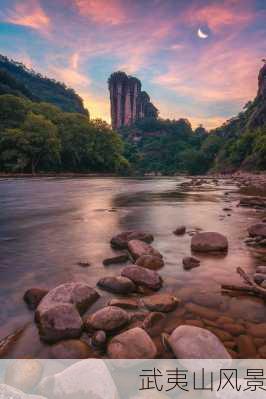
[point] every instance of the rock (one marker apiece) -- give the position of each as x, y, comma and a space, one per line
33, 297
259, 278
125, 303
161, 302
116, 259
195, 323
99, 339
189, 342
8, 342
257, 230
246, 347
151, 321
257, 330
143, 277
262, 351
70, 349
233, 328
121, 240
150, 262
132, 344
117, 285
257, 202
110, 318
84, 379
58, 314
221, 334
8, 392
138, 248
209, 242
261, 270
203, 312
189, 262
180, 230
24, 374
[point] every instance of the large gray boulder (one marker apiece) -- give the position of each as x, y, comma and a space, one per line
138, 248
189, 342
110, 318
209, 242
58, 314
132, 344
144, 277
257, 230
121, 240
117, 285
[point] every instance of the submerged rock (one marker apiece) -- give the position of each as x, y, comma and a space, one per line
189, 342
150, 262
125, 303
209, 242
58, 314
121, 240
143, 277
138, 248
189, 262
71, 349
161, 302
110, 318
180, 230
116, 259
117, 285
132, 344
33, 297
257, 230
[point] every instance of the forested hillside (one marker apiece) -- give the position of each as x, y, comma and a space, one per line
35, 86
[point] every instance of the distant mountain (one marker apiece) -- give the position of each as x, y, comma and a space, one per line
17, 79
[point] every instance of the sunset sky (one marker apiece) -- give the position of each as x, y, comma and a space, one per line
81, 42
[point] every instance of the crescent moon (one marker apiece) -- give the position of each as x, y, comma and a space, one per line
202, 35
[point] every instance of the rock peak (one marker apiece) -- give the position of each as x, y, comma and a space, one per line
262, 82
128, 102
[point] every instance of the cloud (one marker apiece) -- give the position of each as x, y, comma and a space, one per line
102, 11
30, 14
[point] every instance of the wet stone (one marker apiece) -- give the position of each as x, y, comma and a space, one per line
209, 242
189, 262
33, 297
70, 349
125, 303
144, 277
121, 240
117, 285
180, 230
110, 318
161, 302
116, 259
150, 262
138, 248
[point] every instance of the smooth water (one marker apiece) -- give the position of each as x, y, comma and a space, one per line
48, 225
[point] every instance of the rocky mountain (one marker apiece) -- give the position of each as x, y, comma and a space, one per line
17, 79
128, 103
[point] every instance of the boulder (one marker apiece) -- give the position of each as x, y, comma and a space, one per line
161, 302
189, 262
150, 262
143, 277
180, 230
23, 374
125, 303
189, 342
209, 242
257, 230
116, 259
110, 318
138, 248
88, 378
8, 392
121, 240
33, 297
132, 344
117, 285
58, 314
70, 349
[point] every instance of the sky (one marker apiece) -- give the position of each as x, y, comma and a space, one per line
81, 42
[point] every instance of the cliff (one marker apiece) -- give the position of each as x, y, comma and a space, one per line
128, 103
35, 86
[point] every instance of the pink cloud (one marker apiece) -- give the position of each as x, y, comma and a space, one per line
30, 14
102, 11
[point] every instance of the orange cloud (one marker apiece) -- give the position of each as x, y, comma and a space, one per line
102, 11
30, 14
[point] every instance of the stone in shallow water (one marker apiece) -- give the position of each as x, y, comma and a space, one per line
58, 314
71, 349
180, 230
202, 311
209, 242
189, 342
125, 303
246, 347
161, 302
189, 262
150, 262
33, 297
110, 318
138, 248
261, 270
99, 339
258, 229
258, 330
132, 344
24, 374
117, 285
144, 277
116, 259
121, 240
